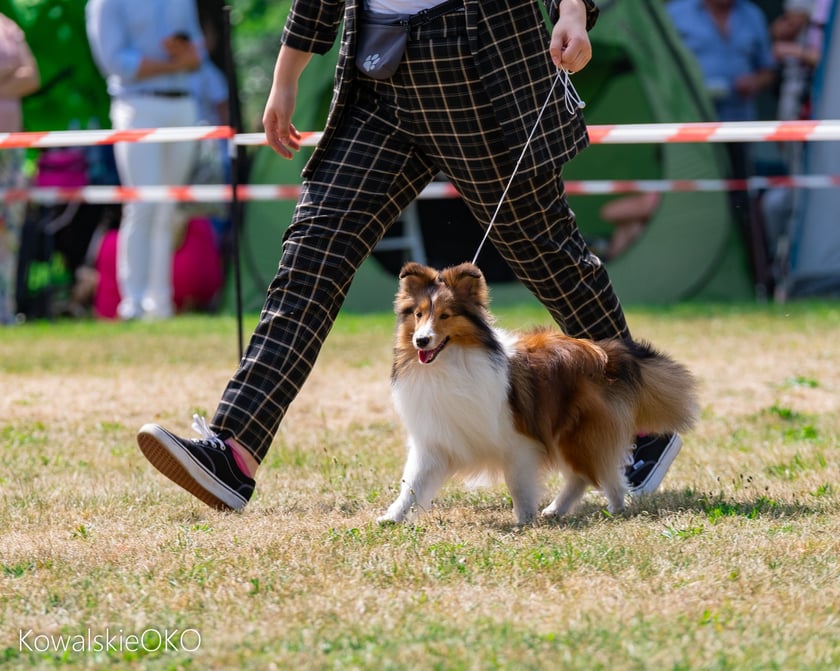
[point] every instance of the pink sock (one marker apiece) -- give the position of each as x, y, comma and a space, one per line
238, 459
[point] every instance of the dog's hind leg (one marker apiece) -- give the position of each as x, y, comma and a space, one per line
572, 492
614, 487
422, 477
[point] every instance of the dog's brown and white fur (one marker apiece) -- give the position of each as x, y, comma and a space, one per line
477, 400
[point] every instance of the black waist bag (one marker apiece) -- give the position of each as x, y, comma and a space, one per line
382, 40
382, 37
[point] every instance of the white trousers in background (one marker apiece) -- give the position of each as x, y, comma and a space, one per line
145, 242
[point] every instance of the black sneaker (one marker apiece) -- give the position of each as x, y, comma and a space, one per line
204, 466
652, 457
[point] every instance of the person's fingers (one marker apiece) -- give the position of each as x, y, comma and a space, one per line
575, 55
285, 140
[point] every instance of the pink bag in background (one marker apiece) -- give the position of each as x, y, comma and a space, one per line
64, 168
197, 274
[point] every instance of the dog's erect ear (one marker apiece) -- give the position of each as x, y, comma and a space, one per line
467, 282
415, 275
413, 268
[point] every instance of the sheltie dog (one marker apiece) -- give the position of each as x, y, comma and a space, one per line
478, 401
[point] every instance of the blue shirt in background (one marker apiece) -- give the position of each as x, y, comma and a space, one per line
724, 58
123, 32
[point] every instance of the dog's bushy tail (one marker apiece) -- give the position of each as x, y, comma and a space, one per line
665, 390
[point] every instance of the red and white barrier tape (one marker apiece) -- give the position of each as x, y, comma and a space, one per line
83, 138
203, 193
209, 193
761, 131
731, 131
740, 131
592, 187
662, 133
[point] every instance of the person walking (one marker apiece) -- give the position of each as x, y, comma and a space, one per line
146, 51
467, 84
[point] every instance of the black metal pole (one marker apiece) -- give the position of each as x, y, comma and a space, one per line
234, 153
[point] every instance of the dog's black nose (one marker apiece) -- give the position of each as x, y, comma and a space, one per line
421, 342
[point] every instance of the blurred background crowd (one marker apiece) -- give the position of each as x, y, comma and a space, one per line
63, 67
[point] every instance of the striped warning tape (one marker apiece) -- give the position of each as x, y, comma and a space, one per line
732, 131
766, 131
208, 193
83, 138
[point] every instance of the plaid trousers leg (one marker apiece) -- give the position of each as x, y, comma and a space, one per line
358, 190
439, 93
535, 231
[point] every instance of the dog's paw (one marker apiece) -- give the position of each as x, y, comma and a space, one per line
525, 518
549, 512
387, 520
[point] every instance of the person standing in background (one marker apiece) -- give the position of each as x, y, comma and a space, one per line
147, 52
730, 40
797, 54
18, 78
797, 44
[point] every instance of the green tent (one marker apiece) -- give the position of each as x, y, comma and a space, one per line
72, 93
639, 73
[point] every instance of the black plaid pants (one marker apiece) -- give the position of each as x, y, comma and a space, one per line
432, 116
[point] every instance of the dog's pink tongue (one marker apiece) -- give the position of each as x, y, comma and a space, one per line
423, 355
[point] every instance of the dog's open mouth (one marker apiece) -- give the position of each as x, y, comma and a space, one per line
429, 355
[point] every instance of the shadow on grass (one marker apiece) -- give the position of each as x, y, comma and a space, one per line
713, 506
497, 512
718, 505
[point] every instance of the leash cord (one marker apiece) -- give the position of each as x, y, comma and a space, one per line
572, 101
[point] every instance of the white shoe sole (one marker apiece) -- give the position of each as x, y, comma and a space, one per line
657, 473
177, 464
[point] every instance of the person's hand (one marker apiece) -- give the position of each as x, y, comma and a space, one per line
570, 48
750, 85
783, 50
182, 52
280, 132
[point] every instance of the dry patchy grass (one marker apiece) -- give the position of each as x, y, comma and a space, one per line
732, 565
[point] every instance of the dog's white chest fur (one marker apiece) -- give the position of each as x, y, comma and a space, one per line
459, 420
457, 407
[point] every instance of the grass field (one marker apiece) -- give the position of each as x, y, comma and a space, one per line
733, 564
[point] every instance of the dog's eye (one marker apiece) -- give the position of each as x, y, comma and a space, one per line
444, 315
418, 314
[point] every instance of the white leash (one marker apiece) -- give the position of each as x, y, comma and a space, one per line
573, 103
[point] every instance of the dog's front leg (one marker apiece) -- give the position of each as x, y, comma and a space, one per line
422, 476
522, 479
572, 492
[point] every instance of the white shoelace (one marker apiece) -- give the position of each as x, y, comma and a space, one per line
201, 427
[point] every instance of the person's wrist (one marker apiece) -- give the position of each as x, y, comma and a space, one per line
572, 9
